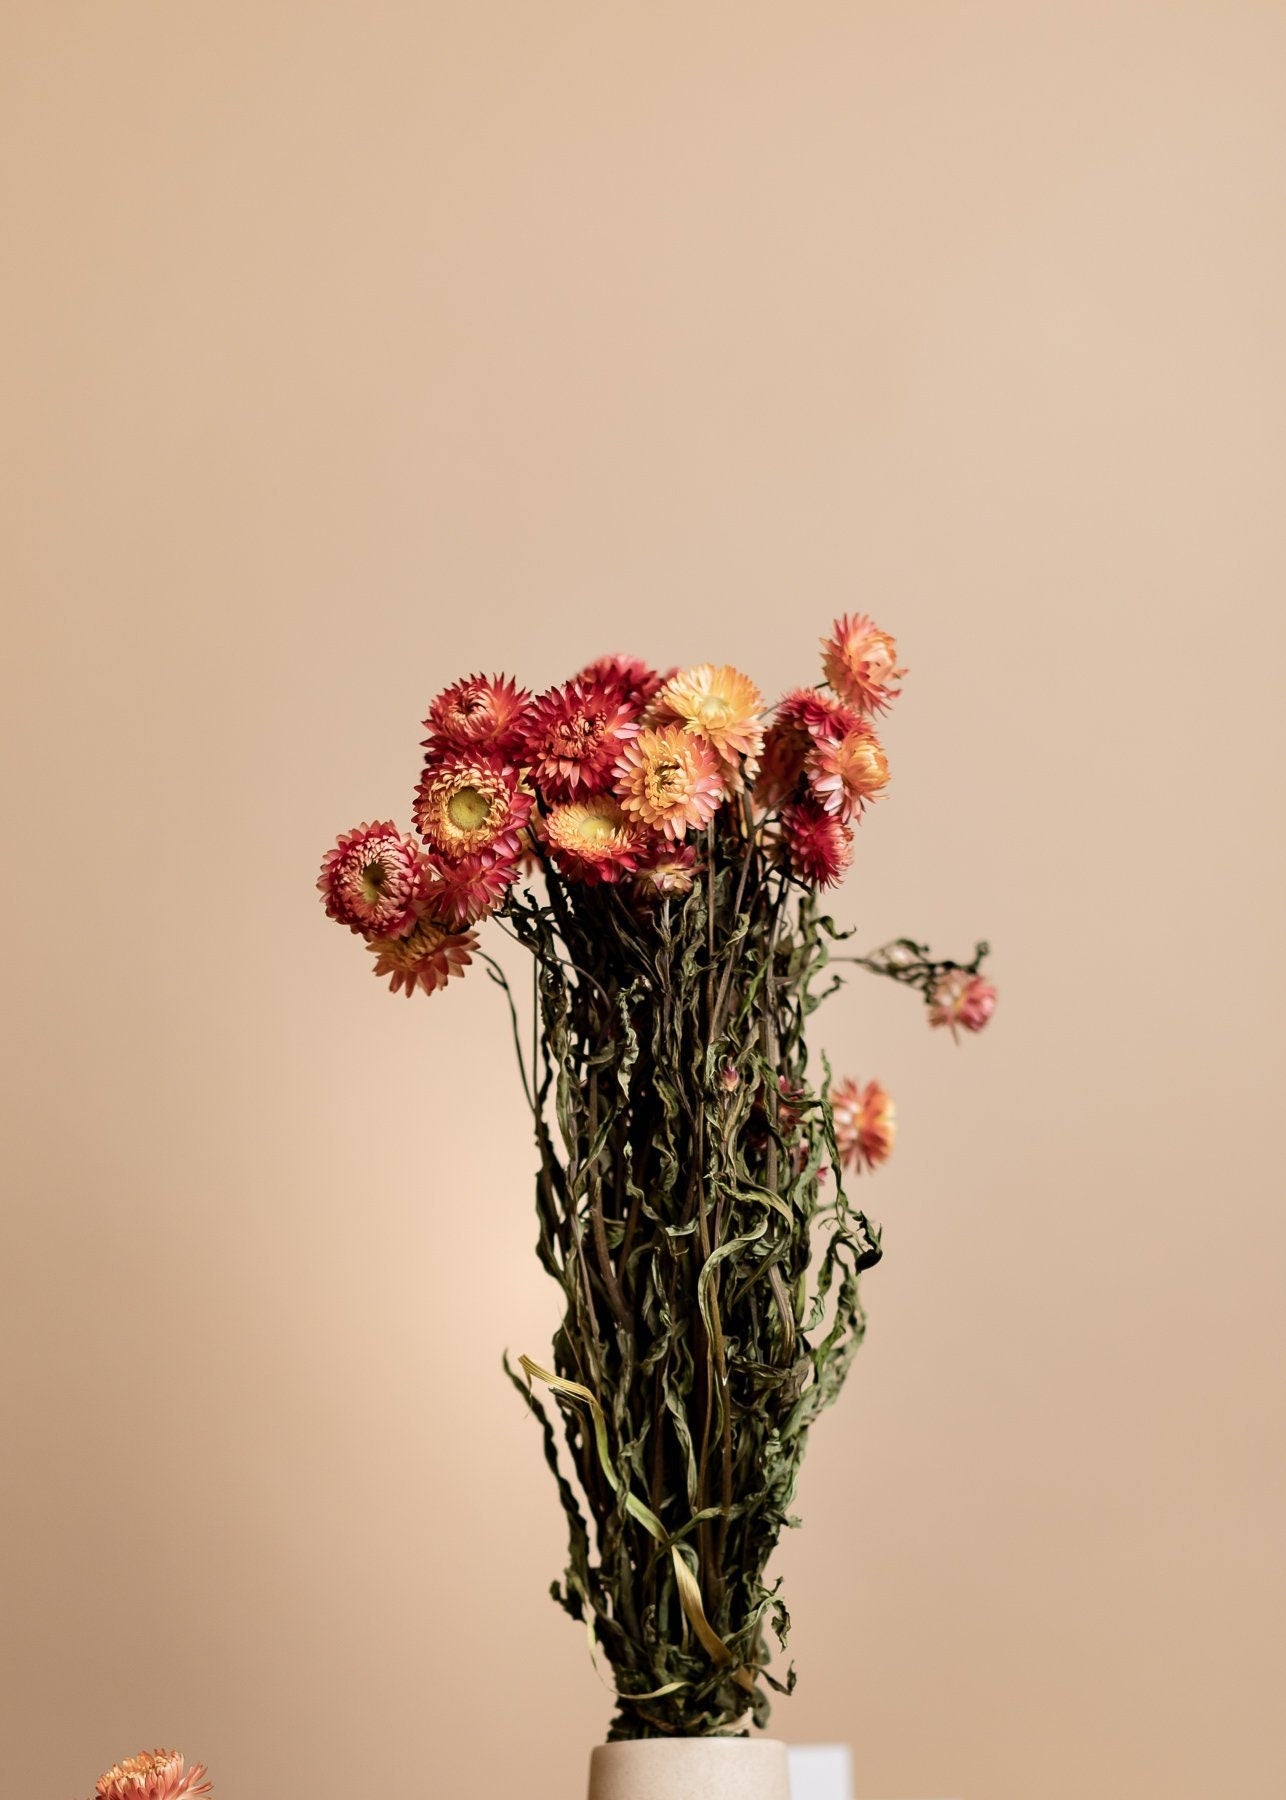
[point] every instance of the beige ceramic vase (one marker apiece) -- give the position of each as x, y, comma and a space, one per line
690, 1769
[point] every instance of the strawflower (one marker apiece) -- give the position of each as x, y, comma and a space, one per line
479, 713
593, 840
669, 870
468, 803
961, 1001
848, 773
865, 1125
860, 662
463, 892
669, 779
575, 734
819, 845
153, 1775
426, 958
637, 680
373, 880
721, 704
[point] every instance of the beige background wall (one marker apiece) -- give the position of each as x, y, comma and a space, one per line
349, 347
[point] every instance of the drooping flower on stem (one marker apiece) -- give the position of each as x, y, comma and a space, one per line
374, 880
961, 1001
865, 1125
426, 958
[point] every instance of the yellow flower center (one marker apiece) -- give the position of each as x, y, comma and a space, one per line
665, 781
374, 875
468, 809
713, 710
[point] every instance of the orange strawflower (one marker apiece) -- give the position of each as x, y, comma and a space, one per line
860, 662
153, 1775
593, 840
865, 1124
724, 706
845, 775
426, 958
669, 779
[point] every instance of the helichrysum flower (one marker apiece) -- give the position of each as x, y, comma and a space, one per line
425, 958
460, 893
468, 803
860, 662
593, 840
803, 719
846, 774
479, 713
865, 1125
961, 1001
724, 706
669, 779
819, 845
373, 880
153, 1775
574, 735
637, 680
670, 869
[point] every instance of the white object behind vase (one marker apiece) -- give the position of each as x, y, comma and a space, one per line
820, 1772
690, 1769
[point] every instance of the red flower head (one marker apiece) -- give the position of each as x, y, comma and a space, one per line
593, 840
819, 845
153, 1775
860, 662
804, 719
575, 734
630, 676
461, 893
865, 1125
426, 958
374, 880
961, 1001
466, 804
846, 774
477, 714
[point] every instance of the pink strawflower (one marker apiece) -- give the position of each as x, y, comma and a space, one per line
461, 893
819, 845
635, 679
860, 662
479, 713
153, 1775
593, 840
470, 802
816, 713
426, 958
670, 869
670, 780
865, 1124
844, 775
574, 735
961, 1001
373, 880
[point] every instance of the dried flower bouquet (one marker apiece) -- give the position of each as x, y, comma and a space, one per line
659, 844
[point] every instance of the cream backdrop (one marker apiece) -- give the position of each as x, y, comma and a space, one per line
350, 347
